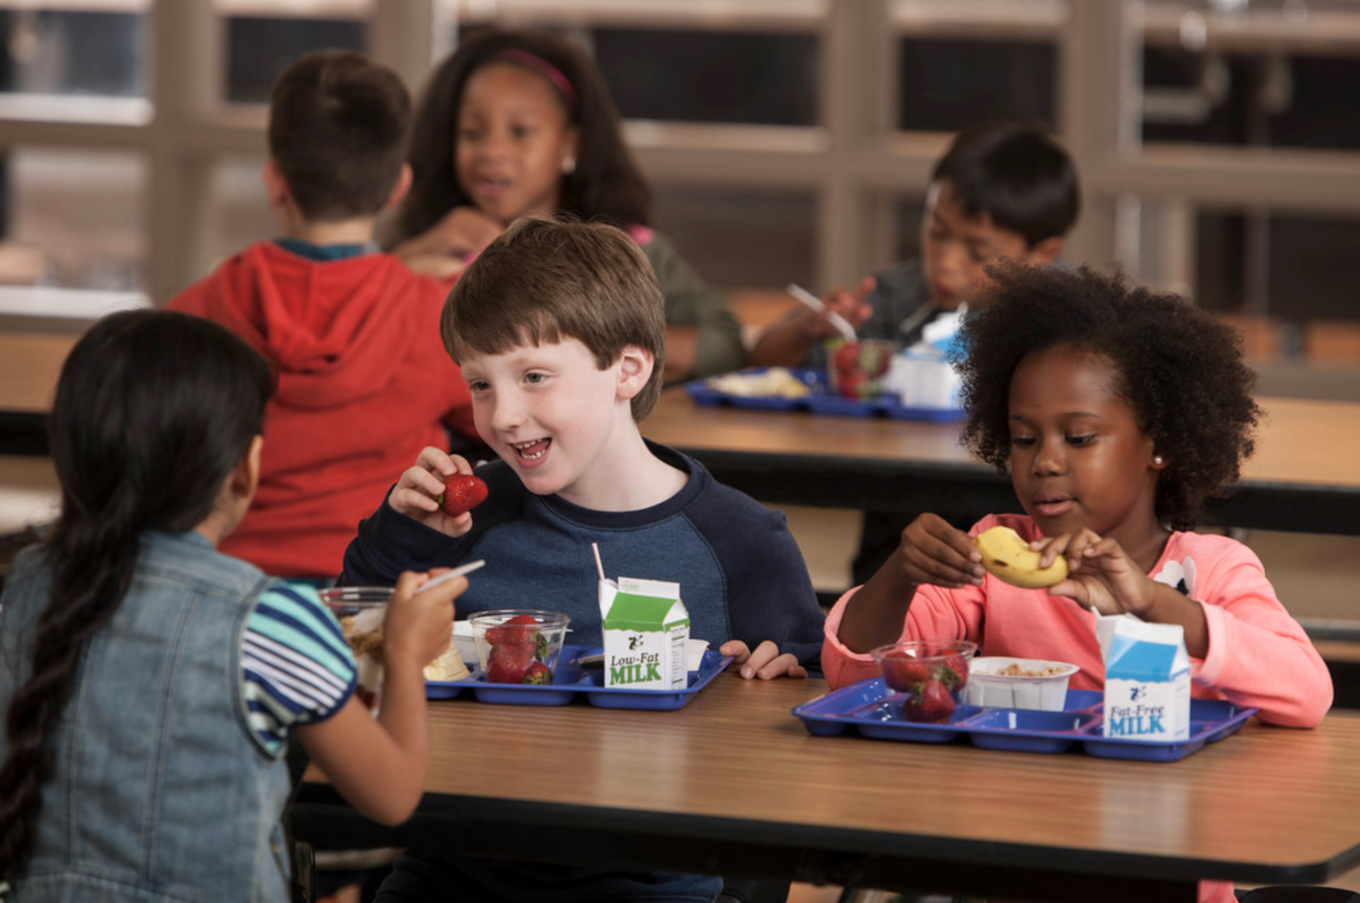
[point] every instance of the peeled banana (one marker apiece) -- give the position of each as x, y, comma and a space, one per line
1009, 558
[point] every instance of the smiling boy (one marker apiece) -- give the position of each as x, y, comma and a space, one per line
559, 330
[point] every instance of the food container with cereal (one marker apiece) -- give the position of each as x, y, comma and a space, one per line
1018, 683
931, 675
361, 611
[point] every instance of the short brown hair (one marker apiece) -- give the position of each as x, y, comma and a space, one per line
339, 124
545, 280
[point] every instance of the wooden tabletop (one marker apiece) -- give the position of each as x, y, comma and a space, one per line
1266, 805
1303, 475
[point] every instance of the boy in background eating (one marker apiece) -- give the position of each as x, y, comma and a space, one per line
363, 380
1003, 190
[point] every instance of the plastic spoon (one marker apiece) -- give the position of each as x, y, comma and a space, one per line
842, 325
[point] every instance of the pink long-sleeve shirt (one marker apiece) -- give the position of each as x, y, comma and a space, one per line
1258, 654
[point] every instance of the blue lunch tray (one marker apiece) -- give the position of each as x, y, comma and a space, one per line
873, 710
820, 401
571, 681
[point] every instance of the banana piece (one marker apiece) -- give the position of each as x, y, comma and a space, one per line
1009, 558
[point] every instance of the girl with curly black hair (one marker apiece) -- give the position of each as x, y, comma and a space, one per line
1117, 411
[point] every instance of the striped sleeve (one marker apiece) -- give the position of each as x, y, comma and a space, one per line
296, 666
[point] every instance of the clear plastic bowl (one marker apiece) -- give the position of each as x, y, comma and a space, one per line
1044, 687
931, 675
361, 610
518, 653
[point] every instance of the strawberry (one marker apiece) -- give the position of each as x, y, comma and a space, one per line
954, 671
846, 358
508, 664
902, 674
854, 385
462, 493
934, 704
538, 673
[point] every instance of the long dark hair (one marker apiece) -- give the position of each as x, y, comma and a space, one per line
153, 412
606, 184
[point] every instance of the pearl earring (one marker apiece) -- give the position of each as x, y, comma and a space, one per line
1158, 460
568, 166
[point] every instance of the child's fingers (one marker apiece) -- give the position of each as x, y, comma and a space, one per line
739, 651
783, 665
762, 655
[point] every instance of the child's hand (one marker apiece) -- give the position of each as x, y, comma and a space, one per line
1101, 575
933, 551
464, 231
418, 626
765, 663
850, 304
420, 485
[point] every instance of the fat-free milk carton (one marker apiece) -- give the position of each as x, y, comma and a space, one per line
1147, 679
646, 634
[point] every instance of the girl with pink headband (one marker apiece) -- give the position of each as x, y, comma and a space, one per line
521, 123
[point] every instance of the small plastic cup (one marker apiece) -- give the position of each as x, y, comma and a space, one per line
361, 610
1018, 683
511, 652
930, 675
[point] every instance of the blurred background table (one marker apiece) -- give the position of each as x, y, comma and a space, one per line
1304, 476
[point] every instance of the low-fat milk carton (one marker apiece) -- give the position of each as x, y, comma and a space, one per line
1147, 679
646, 634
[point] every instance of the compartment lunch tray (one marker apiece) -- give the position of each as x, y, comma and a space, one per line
819, 401
571, 681
873, 710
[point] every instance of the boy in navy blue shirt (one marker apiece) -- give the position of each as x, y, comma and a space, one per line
559, 329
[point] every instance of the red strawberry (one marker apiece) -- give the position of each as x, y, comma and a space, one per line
954, 671
846, 358
462, 493
538, 673
509, 664
934, 703
904, 673
514, 632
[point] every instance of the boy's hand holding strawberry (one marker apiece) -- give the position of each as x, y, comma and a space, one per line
439, 491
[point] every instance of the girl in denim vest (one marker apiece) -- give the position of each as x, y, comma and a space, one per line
149, 683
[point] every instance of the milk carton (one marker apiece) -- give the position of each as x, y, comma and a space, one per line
1147, 679
646, 634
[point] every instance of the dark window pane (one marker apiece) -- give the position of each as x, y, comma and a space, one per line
949, 85
260, 48
1309, 270
766, 79
1320, 108
94, 53
741, 239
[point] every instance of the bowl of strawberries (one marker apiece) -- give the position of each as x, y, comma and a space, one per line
855, 368
518, 646
930, 675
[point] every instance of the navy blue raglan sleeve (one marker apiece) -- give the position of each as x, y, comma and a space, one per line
390, 542
770, 595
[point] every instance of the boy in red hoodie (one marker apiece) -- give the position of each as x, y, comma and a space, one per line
364, 382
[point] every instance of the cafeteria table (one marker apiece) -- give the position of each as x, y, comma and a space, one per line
733, 784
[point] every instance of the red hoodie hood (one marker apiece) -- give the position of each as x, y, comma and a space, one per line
321, 321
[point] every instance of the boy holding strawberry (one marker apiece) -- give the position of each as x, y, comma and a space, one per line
559, 328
